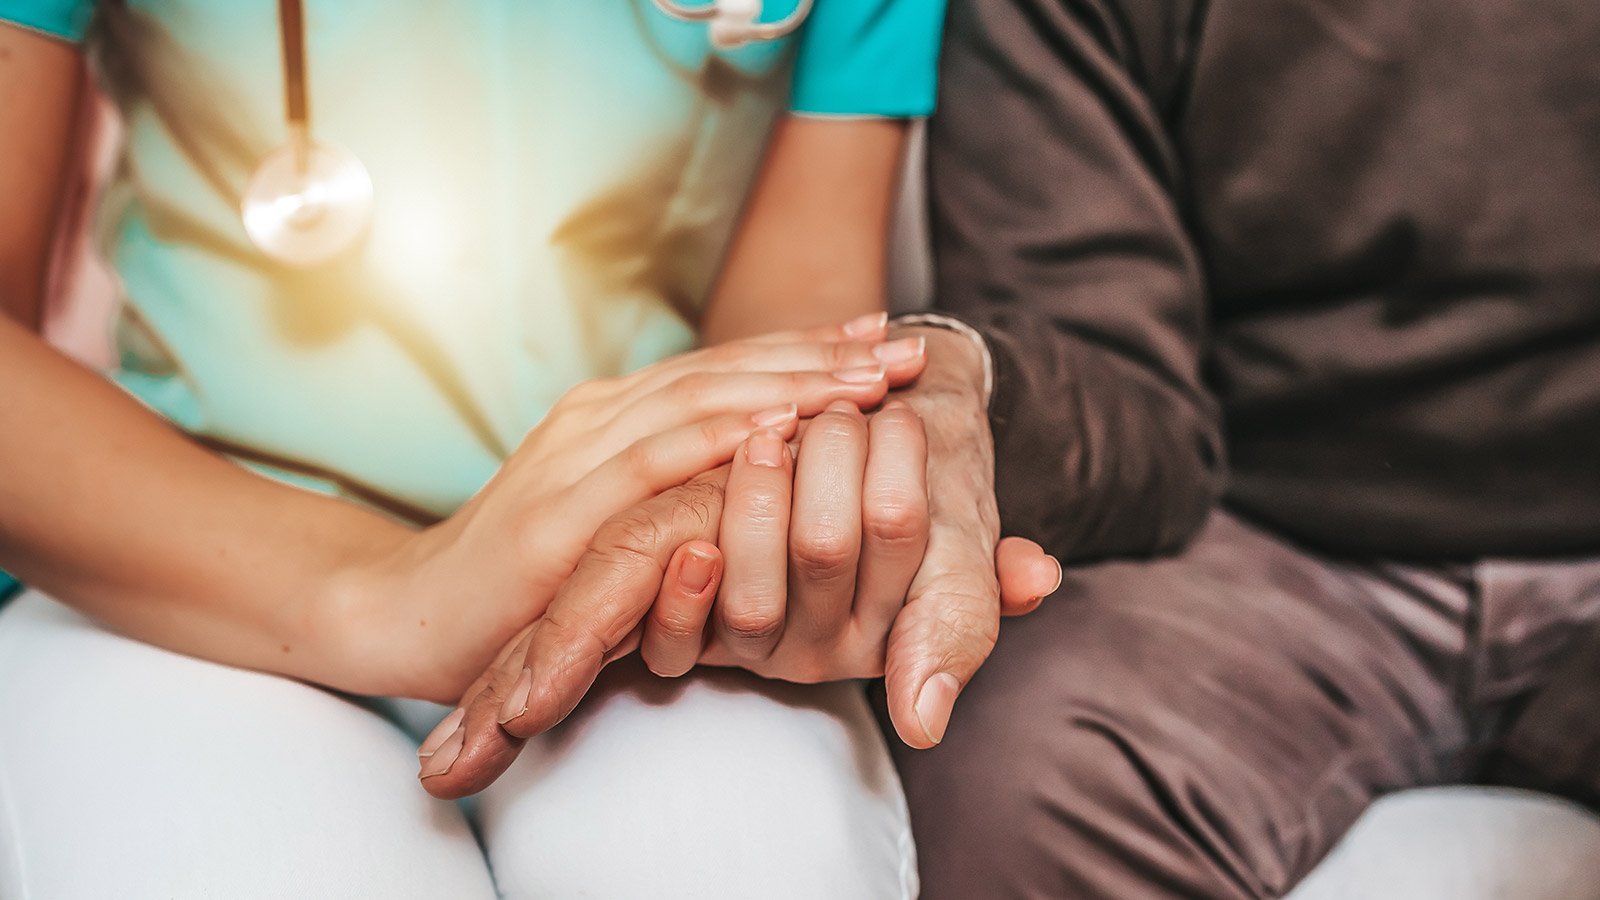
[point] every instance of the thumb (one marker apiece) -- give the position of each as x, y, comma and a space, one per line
594, 617
597, 613
942, 636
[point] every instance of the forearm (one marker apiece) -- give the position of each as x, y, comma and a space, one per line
812, 244
109, 509
1080, 271
1100, 459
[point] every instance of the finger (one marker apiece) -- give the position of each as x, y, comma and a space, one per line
702, 395
471, 732
903, 358
941, 638
607, 596
627, 647
652, 465
865, 327
826, 348
594, 612
894, 516
675, 630
825, 526
1027, 575
749, 615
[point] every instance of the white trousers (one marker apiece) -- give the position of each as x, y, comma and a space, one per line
130, 772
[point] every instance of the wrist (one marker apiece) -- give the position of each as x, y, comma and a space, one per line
957, 367
962, 351
350, 625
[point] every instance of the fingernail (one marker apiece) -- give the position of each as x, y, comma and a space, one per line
776, 416
699, 567
842, 406
445, 756
871, 323
902, 351
517, 701
935, 703
766, 448
862, 375
1060, 576
441, 732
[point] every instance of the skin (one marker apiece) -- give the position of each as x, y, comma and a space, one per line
935, 643
813, 242
251, 573
40, 81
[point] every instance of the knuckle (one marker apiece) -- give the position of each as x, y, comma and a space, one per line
763, 508
711, 433
686, 391
580, 644
837, 427
628, 537
696, 385
896, 519
676, 624
582, 393
822, 552
676, 515
640, 459
752, 625
696, 505
899, 419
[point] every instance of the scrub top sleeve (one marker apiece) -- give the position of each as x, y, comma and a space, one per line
869, 58
65, 19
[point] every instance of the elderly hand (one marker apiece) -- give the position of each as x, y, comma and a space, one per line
952, 614
819, 547
659, 559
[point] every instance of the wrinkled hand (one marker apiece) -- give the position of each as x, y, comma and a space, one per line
818, 550
951, 618
607, 445
660, 554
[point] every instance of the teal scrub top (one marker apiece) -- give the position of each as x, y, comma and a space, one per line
555, 183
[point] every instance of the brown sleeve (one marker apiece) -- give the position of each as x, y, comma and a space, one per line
1057, 235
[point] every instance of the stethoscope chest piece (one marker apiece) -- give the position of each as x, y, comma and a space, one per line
307, 203
735, 23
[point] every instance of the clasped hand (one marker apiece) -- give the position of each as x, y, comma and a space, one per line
705, 539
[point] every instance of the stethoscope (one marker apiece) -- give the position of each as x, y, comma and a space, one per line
309, 202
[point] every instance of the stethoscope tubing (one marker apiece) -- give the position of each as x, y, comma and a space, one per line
309, 202
296, 103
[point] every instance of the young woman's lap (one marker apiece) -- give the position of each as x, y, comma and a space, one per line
130, 771
717, 784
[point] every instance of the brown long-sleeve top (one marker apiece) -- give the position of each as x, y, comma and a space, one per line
1334, 261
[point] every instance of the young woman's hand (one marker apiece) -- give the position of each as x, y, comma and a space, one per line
429, 613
